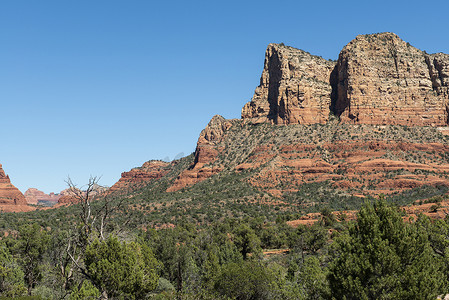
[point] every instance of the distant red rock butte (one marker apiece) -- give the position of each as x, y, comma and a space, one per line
9, 194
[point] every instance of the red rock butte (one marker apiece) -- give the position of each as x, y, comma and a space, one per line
33, 196
378, 79
9, 194
151, 170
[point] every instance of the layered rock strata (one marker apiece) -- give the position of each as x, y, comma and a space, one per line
150, 170
383, 80
206, 153
9, 194
294, 88
378, 79
370, 166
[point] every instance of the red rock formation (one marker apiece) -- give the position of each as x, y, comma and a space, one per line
378, 79
73, 195
294, 88
411, 213
383, 80
151, 170
9, 194
33, 196
351, 164
206, 152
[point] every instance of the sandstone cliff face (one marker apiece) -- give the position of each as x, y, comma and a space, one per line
439, 73
9, 194
294, 88
206, 152
381, 79
378, 79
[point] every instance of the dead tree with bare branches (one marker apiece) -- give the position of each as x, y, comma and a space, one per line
93, 205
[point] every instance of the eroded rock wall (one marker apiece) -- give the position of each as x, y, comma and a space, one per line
294, 88
378, 79
9, 194
381, 79
206, 152
33, 196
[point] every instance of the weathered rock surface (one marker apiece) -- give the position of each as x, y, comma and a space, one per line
67, 196
150, 170
378, 79
73, 195
381, 79
9, 194
294, 88
35, 196
353, 164
206, 152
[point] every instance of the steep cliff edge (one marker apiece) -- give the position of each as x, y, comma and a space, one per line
381, 79
206, 152
9, 194
378, 79
378, 84
294, 88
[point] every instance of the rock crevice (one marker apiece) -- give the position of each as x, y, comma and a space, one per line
294, 88
378, 79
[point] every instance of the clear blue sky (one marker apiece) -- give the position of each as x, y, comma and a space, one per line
99, 87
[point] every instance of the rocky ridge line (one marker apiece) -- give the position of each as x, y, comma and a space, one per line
378, 79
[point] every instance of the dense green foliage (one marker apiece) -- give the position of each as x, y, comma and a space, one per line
378, 256
224, 239
382, 257
11, 275
121, 268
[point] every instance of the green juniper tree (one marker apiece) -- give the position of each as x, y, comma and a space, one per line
11, 275
383, 257
118, 269
30, 247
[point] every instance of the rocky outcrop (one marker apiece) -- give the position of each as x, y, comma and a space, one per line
206, 152
74, 195
381, 79
214, 131
294, 88
68, 196
378, 79
370, 166
9, 194
35, 196
151, 170
439, 73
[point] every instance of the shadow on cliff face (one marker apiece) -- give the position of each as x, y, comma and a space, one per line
447, 114
339, 85
333, 80
274, 67
339, 100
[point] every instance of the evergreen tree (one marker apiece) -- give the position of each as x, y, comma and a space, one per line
247, 241
121, 268
11, 275
30, 247
382, 257
248, 280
